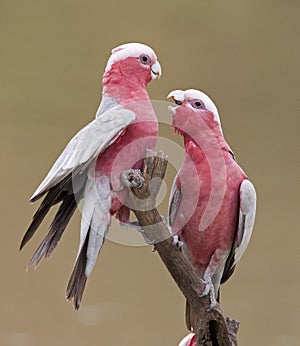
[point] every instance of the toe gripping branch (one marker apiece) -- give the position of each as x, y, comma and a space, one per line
211, 327
132, 178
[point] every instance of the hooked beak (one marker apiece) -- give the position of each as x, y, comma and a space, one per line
178, 98
155, 70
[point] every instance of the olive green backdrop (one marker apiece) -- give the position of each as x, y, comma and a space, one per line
243, 54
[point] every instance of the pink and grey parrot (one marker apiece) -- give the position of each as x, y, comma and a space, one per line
90, 166
212, 203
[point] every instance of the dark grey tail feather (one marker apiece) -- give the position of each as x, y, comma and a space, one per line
227, 273
218, 296
229, 265
78, 278
50, 200
54, 196
59, 224
57, 188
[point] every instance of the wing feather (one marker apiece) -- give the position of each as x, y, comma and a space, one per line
87, 144
95, 222
246, 218
174, 202
245, 227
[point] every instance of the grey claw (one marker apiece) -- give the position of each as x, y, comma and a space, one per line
209, 290
177, 243
212, 306
148, 241
150, 152
165, 220
142, 180
132, 224
132, 178
138, 227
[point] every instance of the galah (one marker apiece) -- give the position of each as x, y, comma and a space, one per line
212, 203
90, 166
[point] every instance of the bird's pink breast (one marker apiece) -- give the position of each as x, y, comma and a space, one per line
126, 81
128, 151
219, 233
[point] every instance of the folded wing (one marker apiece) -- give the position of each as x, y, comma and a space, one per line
174, 202
66, 180
87, 144
245, 226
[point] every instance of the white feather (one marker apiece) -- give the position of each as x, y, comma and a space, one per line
87, 144
193, 94
95, 217
246, 218
100, 221
129, 50
106, 104
174, 204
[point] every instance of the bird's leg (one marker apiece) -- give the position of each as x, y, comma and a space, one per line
132, 178
218, 258
136, 225
132, 224
209, 289
165, 220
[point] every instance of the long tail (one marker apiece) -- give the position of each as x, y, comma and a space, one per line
78, 278
54, 196
62, 192
57, 227
94, 227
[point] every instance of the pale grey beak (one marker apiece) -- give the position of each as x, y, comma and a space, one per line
155, 70
178, 98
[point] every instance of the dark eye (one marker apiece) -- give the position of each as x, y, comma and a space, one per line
145, 59
178, 102
197, 104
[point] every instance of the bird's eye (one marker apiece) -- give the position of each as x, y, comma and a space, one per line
197, 104
145, 59
178, 102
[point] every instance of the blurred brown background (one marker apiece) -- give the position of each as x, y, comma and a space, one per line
243, 54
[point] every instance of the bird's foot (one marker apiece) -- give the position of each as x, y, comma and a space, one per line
165, 220
132, 178
153, 248
132, 224
209, 290
176, 242
136, 225
147, 240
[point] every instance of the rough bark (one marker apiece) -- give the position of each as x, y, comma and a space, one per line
212, 327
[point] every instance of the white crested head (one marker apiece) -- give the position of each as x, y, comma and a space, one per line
192, 95
207, 101
129, 50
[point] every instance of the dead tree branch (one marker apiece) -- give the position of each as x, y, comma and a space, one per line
212, 327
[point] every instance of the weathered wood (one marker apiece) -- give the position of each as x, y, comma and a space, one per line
212, 327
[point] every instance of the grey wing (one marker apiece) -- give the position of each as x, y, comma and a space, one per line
85, 146
245, 227
95, 222
66, 180
174, 202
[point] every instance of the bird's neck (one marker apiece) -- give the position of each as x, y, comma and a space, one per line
206, 143
125, 87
